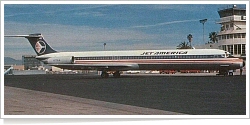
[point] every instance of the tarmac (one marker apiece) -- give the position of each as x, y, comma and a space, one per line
138, 94
29, 102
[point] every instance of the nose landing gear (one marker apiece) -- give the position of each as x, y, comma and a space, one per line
225, 72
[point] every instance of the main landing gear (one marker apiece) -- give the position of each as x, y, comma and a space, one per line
105, 74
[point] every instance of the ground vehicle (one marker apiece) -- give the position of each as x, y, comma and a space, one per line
167, 71
132, 72
190, 71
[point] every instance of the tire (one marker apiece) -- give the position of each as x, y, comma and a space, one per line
104, 75
117, 74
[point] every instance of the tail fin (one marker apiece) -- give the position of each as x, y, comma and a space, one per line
38, 43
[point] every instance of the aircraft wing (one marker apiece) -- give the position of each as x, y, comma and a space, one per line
106, 66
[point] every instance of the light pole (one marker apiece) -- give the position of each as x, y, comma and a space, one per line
104, 45
203, 22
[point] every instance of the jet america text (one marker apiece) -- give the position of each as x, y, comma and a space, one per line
165, 53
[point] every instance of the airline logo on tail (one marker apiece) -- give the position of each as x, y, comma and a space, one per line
40, 47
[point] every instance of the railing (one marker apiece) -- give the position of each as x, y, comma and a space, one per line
231, 18
9, 71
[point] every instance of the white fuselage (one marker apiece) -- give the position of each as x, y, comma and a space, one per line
203, 59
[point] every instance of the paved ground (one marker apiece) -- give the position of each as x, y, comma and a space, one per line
201, 95
29, 102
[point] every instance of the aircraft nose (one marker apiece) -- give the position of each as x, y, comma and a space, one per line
242, 64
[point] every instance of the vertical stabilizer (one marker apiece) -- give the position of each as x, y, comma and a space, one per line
38, 43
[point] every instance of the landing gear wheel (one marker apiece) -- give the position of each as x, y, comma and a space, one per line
225, 73
104, 75
117, 74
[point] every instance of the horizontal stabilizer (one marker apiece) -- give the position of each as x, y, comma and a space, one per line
26, 36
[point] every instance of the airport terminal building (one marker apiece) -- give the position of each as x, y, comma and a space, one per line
30, 62
232, 34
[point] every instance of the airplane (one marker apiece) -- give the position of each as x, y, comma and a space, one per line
118, 61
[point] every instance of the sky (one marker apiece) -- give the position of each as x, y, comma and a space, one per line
86, 27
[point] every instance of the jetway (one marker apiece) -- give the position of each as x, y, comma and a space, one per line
9, 70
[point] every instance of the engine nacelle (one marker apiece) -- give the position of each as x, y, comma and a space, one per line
60, 60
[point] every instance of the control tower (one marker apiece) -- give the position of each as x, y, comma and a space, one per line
232, 35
